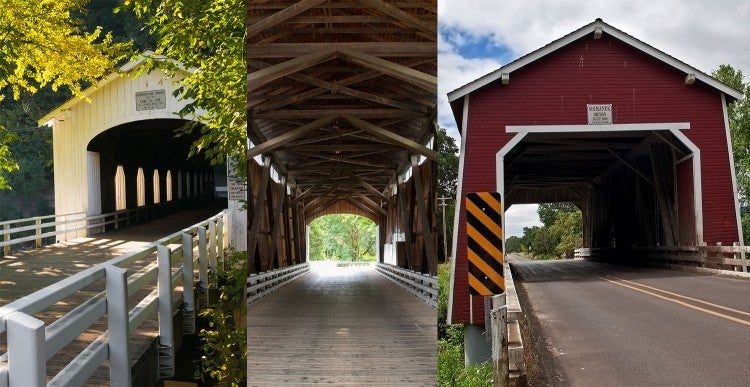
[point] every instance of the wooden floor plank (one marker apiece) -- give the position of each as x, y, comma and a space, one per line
28, 271
345, 327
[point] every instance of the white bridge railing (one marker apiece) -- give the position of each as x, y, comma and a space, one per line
421, 285
38, 228
180, 259
261, 284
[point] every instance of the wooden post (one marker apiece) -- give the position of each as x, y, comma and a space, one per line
6, 238
499, 327
118, 326
257, 214
429, 245
277, 222
166, 331
26, 351
405, 222
188, 294
38, 232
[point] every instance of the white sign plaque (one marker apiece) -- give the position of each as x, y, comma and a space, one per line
236, 190
599, 114
150, 100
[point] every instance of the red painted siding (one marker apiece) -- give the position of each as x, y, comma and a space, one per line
555, 90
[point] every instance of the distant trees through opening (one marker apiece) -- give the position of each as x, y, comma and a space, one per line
560, 234
343, 237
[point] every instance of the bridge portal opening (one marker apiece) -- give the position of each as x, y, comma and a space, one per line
633, 188
556, 234
134, 165
343, 237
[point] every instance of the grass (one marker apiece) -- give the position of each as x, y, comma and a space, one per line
451, 368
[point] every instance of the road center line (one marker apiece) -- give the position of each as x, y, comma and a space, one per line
685, 297
717, 314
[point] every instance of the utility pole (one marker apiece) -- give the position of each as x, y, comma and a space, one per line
443, 204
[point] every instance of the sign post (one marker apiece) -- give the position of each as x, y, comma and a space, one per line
485, 243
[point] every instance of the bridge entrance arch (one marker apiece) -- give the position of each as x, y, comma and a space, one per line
637, 139
116, 148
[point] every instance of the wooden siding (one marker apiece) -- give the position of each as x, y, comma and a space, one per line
555, 90
111, 105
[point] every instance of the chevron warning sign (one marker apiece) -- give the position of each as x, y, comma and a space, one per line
485, 248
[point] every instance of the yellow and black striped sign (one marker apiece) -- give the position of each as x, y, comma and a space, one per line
485, 243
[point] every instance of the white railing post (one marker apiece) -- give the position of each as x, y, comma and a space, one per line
220, 240
6, 238
166, 334
202, 259
118, 326
26, 351
187, 283
212, 245
39, 232
499, 326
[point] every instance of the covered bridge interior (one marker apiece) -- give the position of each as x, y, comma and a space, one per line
341, 108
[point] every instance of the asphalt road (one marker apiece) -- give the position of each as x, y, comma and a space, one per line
611, 325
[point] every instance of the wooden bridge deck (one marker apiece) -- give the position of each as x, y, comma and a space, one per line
28, 271
348, 326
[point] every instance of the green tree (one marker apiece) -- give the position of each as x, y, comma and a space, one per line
207, 37
513, 244
447, 186
43, 44
559, 235
342, 237
739, 128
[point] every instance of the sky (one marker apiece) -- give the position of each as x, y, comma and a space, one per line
477, 37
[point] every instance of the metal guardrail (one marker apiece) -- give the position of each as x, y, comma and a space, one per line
19, 231
421, 285
30, 344
261, 284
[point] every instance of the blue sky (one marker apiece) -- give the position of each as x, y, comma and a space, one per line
479, 36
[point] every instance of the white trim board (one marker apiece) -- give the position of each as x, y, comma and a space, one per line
592, 28
597, 128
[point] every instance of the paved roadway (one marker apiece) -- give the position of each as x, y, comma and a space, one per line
611, 325
342, 326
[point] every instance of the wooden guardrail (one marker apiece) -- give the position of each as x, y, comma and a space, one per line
39, 228
261, 284
717, 258
421, 285
516, 364
180, 259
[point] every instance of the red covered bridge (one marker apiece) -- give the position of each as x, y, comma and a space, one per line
637, 139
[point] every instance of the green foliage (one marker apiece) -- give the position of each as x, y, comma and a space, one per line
560, 234
207, 37
739, 127
44, 47
224, 349
513, 244
342, 237
447, 164
444, 281
451, 368
447, 185
224, 342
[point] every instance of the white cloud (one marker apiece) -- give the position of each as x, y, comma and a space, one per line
519, 216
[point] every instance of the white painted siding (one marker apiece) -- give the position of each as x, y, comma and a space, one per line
95, 184
109, 105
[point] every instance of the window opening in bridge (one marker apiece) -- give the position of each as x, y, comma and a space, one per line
141, 186
544, 231
168, 182
157, 191
343, 237
120, 197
